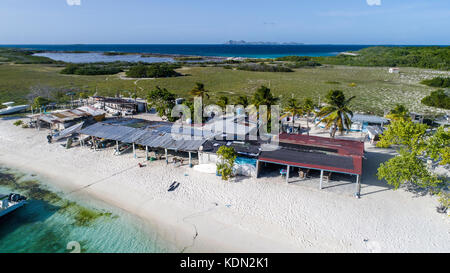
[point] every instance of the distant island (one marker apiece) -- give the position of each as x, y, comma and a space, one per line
242, 42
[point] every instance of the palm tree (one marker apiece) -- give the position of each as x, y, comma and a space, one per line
308, 108
199, 91
222, 102
242, 100
293, 108
263, 96
337, 113
400, 112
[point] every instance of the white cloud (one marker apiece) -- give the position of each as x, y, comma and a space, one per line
73, 2
373, 2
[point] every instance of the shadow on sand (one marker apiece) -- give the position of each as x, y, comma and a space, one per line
370, 169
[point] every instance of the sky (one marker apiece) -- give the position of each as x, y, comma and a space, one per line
413, 22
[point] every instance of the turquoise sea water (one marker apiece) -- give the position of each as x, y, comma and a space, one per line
53, 221
219, 50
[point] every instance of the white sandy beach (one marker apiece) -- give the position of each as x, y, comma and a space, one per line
249, 215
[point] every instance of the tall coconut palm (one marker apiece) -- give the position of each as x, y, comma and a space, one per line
242, 100
293, 108
308, 108
336, 114
263, 96
199, 91
222, 102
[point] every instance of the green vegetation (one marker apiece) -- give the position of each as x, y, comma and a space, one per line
298, 61
434, 57
83, 216
308, 108
163, 101
199, 91
293, 108
222, 102
437, 82
18, 123
264, 68
375, 92
157, 70
40, 102
303, 64
438, 98
264, 96
400, 112
415, 146
83, 95
112, 53
337, 114
444, 199
20, 56
403, 132
86, 216
293, 58
227, 156
242, 100
188, 58
92, 69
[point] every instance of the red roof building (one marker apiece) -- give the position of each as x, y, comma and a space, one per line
319, 153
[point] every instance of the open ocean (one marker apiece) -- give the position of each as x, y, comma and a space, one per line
53, 221
218, 50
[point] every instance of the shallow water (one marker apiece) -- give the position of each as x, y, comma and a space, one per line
99, 57
53, 221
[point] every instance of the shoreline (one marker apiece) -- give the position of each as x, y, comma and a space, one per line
174, 223
219, 52
253, 215
169, 230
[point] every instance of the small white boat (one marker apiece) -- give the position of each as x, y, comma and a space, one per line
12, 109
11, 202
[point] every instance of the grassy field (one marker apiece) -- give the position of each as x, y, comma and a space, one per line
375, 89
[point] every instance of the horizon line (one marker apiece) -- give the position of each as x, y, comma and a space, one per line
249, 43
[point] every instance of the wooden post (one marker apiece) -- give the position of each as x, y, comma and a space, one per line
287, 174
321, 179
257, 168
81, 140
146, 153
167, 160
93, 143
134, 150
358, 186
190, 160
117, 147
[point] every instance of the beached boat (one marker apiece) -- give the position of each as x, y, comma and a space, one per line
11, 202
12, 109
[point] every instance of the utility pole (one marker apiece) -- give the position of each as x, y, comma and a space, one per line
71, 94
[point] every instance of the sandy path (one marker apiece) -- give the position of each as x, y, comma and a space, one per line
263, 215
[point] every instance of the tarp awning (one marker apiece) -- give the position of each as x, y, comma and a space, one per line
146, 137
71, 130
